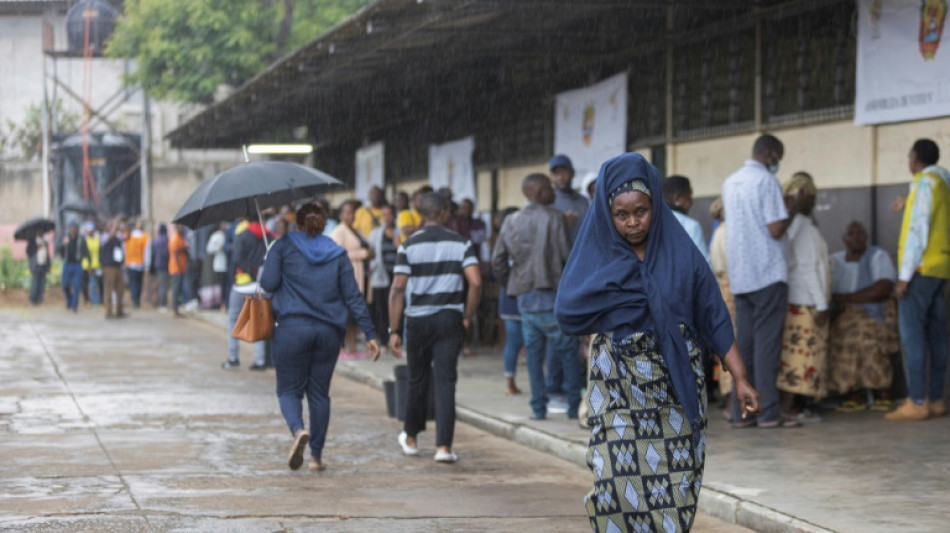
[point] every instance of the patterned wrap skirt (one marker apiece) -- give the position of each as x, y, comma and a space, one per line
804, 350
860, 349
647, 463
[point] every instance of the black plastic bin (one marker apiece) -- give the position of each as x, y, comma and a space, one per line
401, 393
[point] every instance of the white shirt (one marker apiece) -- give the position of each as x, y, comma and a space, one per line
845, 276
695, 232
215, 247
752, 199
808, 266
717, 249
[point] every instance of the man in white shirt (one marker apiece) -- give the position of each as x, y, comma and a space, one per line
678, 194
805, 338
758, 272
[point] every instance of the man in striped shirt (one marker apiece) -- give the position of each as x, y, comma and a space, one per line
431, 267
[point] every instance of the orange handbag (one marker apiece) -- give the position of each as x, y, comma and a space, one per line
256, 321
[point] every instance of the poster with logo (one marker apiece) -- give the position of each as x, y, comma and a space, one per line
450, 165
369, 170
590, 124
903, 61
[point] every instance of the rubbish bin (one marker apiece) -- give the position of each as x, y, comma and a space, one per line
401, 396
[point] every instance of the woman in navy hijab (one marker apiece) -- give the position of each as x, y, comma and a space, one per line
637, 283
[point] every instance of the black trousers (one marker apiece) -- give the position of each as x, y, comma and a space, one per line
432, 348
380, 310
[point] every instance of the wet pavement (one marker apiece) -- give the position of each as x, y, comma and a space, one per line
130, 425
850, 473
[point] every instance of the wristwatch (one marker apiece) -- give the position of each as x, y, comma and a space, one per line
390, 331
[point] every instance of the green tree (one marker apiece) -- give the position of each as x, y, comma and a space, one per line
185, 49
27, 136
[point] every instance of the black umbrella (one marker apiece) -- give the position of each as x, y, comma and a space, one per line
33, 227
243, 190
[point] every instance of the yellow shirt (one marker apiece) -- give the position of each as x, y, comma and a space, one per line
410, 218
367, 218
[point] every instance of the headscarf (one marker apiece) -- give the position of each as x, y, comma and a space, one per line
800, 181
607, 288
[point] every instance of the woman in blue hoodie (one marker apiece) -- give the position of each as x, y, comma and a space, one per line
314, 290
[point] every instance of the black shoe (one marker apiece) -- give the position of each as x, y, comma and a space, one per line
539, 416
256, 366
229, 365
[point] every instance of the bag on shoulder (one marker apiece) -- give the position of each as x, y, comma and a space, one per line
256, 321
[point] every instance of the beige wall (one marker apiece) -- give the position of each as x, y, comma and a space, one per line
895, 140
837, 154
509, 184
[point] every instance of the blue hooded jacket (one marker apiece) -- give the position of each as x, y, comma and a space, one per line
312, 280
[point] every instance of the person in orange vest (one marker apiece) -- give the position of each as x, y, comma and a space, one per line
177, 265
135, 246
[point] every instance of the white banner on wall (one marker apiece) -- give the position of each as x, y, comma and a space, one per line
590, 124
903, 60
370, 170
450, 165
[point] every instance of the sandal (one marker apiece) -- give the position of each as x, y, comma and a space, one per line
882, 406
780, 423
850, 406
295, 460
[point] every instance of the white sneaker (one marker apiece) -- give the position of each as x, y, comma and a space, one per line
444, 457
557, 405
406, 449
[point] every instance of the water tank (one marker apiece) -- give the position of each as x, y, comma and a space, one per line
102, 18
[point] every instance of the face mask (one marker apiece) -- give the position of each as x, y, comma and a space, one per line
773, 168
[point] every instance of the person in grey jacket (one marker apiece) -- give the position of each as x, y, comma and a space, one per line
528, 258
385, 242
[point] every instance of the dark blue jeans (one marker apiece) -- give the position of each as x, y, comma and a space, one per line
72, 283
305, 354
538, 327
922, 321
135, 285
514, 341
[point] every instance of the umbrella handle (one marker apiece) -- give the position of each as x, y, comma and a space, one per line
261, 220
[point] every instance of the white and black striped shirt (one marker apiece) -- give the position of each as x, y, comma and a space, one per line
434, 258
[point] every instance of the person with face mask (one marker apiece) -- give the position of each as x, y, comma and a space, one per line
758, 271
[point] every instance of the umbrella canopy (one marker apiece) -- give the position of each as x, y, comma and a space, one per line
244, 189
33, 227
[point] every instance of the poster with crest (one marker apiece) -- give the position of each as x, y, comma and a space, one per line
903, 70
590, 124
370, 170
450, 165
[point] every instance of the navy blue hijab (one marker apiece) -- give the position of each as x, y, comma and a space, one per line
607, 288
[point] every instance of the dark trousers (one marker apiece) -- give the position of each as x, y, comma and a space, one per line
178, 286
922, 322
380, 310
760, 318
114, 287
304, 358
72, 283
84, 287
432, 349
37, 282
163, 278
222, 278
135, 286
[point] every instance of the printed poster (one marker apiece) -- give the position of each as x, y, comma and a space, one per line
903, 70
450, 165
590, 124
369, 170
